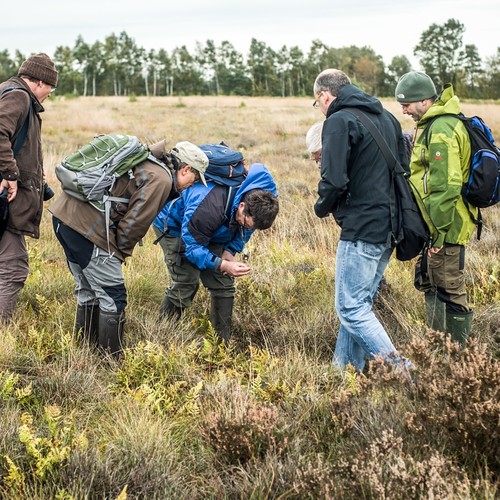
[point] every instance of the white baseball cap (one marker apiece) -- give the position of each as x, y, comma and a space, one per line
193, 156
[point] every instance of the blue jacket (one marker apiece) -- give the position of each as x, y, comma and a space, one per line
199, 217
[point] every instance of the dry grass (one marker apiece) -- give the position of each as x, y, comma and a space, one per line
270, 416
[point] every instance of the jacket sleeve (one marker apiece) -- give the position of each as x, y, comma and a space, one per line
14, 108
160, 219
152, 188
334, 161
445, 178
202, 218
238, 242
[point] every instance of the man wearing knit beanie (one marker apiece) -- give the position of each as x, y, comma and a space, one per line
440, 160
21, 170
39, 67
416, 93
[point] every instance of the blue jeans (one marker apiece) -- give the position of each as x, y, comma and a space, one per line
358, 271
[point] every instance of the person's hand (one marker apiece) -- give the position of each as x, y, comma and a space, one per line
234, 268
433, 250
11, 188
226, 255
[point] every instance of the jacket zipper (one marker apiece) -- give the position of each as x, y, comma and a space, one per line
426, 170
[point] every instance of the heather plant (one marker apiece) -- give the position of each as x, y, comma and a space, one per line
237, 438
455, 401
384, 470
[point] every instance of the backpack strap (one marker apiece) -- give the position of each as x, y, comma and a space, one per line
153, 158
427, 130
107, 213
231, 194
107, 200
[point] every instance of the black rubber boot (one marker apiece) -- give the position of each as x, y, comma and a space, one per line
111, 327
435, 311
221, 313
87, 323
458, 325
169, 310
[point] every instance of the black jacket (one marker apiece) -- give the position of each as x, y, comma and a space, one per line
355, 183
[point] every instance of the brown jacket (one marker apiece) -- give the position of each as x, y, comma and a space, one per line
25, 211
148, 191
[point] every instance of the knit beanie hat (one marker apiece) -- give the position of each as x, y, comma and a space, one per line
415, 86
41, 67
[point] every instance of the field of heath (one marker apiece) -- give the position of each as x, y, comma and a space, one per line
268, 416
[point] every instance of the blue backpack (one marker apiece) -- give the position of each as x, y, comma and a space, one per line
482, 188
225, 165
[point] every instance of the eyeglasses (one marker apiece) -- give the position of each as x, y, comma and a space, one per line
316, 101
53, 88
248, 222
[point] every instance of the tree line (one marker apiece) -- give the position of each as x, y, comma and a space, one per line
119, 66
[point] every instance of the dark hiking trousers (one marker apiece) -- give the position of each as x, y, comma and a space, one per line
13, 271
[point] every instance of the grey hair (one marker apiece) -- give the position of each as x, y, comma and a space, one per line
332, 80
313, 138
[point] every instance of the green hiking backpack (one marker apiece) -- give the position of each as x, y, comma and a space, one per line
90, 173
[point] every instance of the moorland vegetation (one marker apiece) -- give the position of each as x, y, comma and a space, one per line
267, 416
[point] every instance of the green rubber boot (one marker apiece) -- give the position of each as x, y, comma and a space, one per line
221, 312
458, 325
435, 312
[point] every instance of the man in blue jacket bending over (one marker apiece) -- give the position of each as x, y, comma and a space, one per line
203, 235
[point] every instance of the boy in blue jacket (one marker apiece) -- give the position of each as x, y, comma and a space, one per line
203, 237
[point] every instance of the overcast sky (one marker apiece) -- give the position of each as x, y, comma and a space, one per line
389, 27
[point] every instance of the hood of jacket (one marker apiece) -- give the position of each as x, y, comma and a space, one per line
351, 96
258, 177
